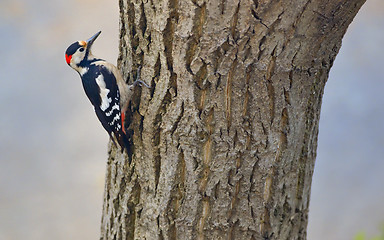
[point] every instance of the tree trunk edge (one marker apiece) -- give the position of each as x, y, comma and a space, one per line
169, 189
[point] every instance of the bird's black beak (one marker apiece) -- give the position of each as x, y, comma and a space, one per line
92, 39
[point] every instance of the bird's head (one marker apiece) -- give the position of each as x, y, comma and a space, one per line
79, 52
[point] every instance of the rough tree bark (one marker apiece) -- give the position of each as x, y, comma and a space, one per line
225, 141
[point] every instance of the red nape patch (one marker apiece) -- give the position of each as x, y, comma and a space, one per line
68, 58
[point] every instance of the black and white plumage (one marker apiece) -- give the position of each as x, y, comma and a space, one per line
104, 86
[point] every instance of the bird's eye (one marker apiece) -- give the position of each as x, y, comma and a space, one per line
81, 49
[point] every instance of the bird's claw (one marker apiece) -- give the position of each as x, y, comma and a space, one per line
138, 81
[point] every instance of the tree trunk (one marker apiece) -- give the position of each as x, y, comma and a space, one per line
224, 143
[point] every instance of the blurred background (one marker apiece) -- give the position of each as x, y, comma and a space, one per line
53, 150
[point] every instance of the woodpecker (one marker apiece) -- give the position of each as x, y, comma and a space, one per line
104, 86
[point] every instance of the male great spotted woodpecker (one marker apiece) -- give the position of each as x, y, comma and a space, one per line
104, 86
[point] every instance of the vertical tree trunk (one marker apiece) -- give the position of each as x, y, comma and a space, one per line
224, 144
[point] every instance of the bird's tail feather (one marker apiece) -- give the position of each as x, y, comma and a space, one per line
124, 142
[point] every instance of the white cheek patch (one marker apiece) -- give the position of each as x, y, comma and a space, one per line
105, 100
76, 59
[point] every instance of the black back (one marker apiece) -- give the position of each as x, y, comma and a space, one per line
110, 117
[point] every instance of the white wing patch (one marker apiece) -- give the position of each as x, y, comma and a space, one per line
114, 107
105, 100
